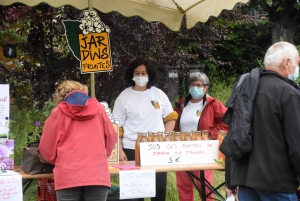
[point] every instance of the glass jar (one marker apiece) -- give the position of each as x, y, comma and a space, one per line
204, 135
172, 134
167, 137
176, 136
196, 136
144, 137
149, 136
221, 135
137, 149
160, 136
185, 136
155, 137
188, 136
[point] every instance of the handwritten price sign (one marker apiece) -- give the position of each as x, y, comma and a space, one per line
11, 186
181, 152
137, 184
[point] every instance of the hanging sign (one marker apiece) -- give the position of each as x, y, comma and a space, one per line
89, 41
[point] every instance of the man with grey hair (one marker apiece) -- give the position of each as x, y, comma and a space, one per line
270, 171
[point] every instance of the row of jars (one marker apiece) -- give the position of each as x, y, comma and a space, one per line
176, 136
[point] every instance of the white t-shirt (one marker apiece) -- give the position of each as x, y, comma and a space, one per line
190, 116
141, 111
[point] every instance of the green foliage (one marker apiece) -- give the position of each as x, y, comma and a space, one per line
220, 162
220, 83
244, 48
283, 14
25, 126
22, 92
130, 37
31, 193
8, 35
298, 48
221, 90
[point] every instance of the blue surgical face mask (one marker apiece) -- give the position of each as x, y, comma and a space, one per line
196, 92
295, 75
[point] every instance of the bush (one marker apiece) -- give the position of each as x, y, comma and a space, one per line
25, 126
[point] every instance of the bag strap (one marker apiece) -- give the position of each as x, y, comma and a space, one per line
37, 151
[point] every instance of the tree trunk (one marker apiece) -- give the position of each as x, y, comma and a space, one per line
283, 29
44, 51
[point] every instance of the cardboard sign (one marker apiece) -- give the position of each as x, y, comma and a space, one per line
137, 184
179, 152
4, 110
95, 52
114, 156
89, 42
10, 186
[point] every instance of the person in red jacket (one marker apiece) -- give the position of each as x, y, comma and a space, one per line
198, 111
77, 138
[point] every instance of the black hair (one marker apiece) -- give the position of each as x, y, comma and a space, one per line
151, 71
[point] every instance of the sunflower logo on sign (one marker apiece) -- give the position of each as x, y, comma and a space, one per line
91, 23
89, 41
155, 104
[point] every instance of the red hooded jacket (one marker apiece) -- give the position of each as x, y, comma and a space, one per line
211, 117
77, 138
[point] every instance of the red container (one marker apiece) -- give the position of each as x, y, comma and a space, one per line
51, 196
43, 193
39, 199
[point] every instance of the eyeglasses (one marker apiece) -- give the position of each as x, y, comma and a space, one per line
197, 85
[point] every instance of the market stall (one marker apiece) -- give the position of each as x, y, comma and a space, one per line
123, 166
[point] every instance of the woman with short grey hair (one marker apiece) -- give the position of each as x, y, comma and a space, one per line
199, 76
198, 111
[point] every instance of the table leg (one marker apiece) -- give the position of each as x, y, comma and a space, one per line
191, 175
202, 181
205, 184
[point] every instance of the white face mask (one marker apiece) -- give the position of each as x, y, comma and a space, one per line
141, 81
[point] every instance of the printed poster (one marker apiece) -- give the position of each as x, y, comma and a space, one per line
4, 110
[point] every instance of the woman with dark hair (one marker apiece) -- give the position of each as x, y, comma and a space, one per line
143, 108
149, 70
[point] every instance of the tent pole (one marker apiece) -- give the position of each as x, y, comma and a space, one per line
93, 95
